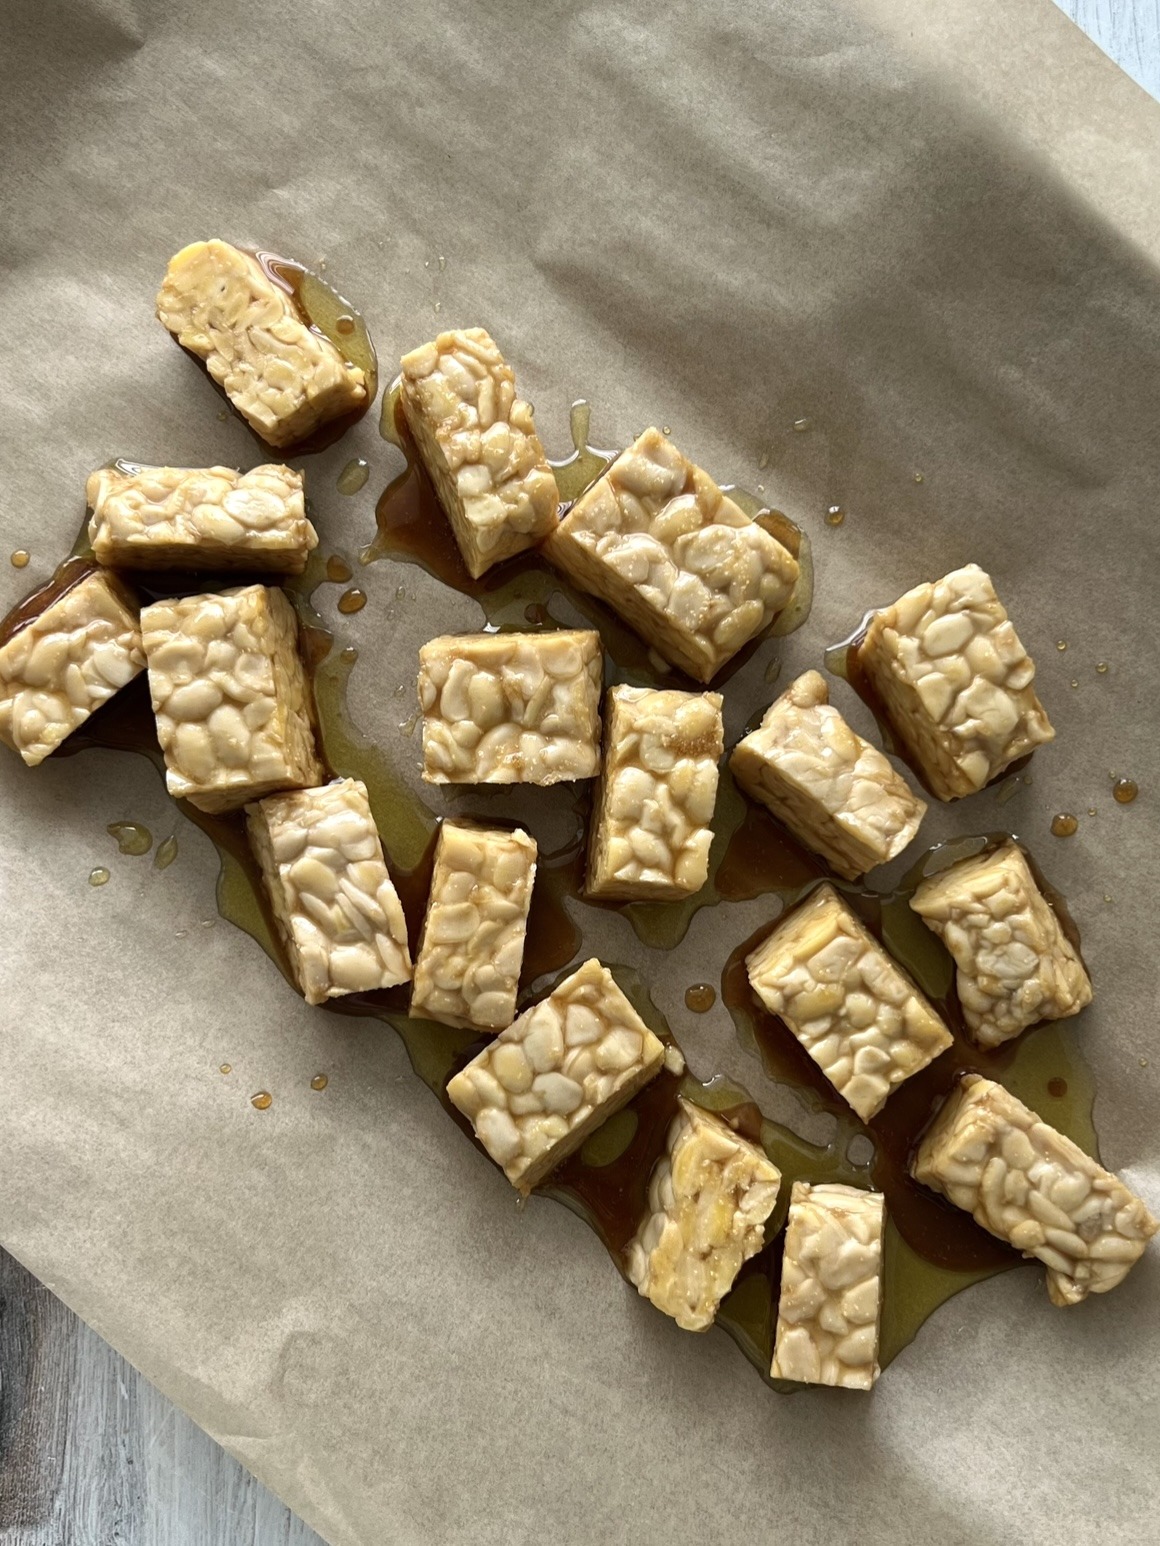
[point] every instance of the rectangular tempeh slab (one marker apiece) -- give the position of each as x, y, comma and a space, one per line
230, 696
536, 1092
832, 789
199, 518
676, 558
1028, 1184
654, 804
282, 377
955, 682
479, 445
337, 911
1015, 964
709, 1195
851, 1006
511, 708
831, 1287
467, 971
73, 644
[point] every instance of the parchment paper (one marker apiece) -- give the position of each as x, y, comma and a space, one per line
932, 231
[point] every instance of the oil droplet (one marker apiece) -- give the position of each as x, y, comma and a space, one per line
19, 559
401, 590
226, 1068
801, 425
349, 655
98, 877
131, 836
1074, 682
1143, 1062
1057, 1087
835, 515
918, 478
442, 261
665, 430
337, 569
208, 923
1107, 898
180, 933
1064, 825
1102, 667
1124, 791
438, 307
344, 323
319, 1082
700, 998
166, 853
352, 600
354, 475
1092, 811
1062, 644
262, 1101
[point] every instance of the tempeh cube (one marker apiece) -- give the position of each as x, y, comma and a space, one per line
954, 682
535, 1093
709, 1195
64, 651
284, 378
1015, 964
511, 708
1028, 1184
479, 445
467, 971
654, 803
230, 695
851, 1006
831, 1287
199, 518
833, 790
337, 911
674, 556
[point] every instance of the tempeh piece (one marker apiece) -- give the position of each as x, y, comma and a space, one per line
511, 708
535, 1093
831, 1287
199, 518
479, 445
230, 695
709, 1196
674, 556
851, 1006
64, 651
954, 681
283, 378
1015, 964
833, 790
1028, 1184
467, 971
336, 908
654, 804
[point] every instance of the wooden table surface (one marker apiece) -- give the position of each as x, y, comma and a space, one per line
90, 1453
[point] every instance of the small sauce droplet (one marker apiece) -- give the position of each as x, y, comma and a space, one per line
319, 1082
262, 1101
131, 836
208, 923
352, 600
337, 569
835, 515
1124, 791
1057, 1087
773, 670
1074, 682
344, 323
354, 475
19, 559
801, 425
98, 877
1107, 898
918, 478
1092, 811
700, 998
166, 853
227, 1068
1061, 645
349, 655
1102, 667
1064, 825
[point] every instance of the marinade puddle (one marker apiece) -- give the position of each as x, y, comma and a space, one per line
932, 1249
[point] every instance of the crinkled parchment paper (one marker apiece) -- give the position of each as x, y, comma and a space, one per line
931, 230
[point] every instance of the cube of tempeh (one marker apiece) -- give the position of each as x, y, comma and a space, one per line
199, 518
851, 1006
511, 708
709, 1195
64, 651
479, 445
536, 1092
655, 800
833, 790
467, 971
831, 1287
1015, 964
954, 682
676, 558
284, 378
230, 695
1031, 1186
323, 869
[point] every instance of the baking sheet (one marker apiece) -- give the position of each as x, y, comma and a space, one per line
932, 232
